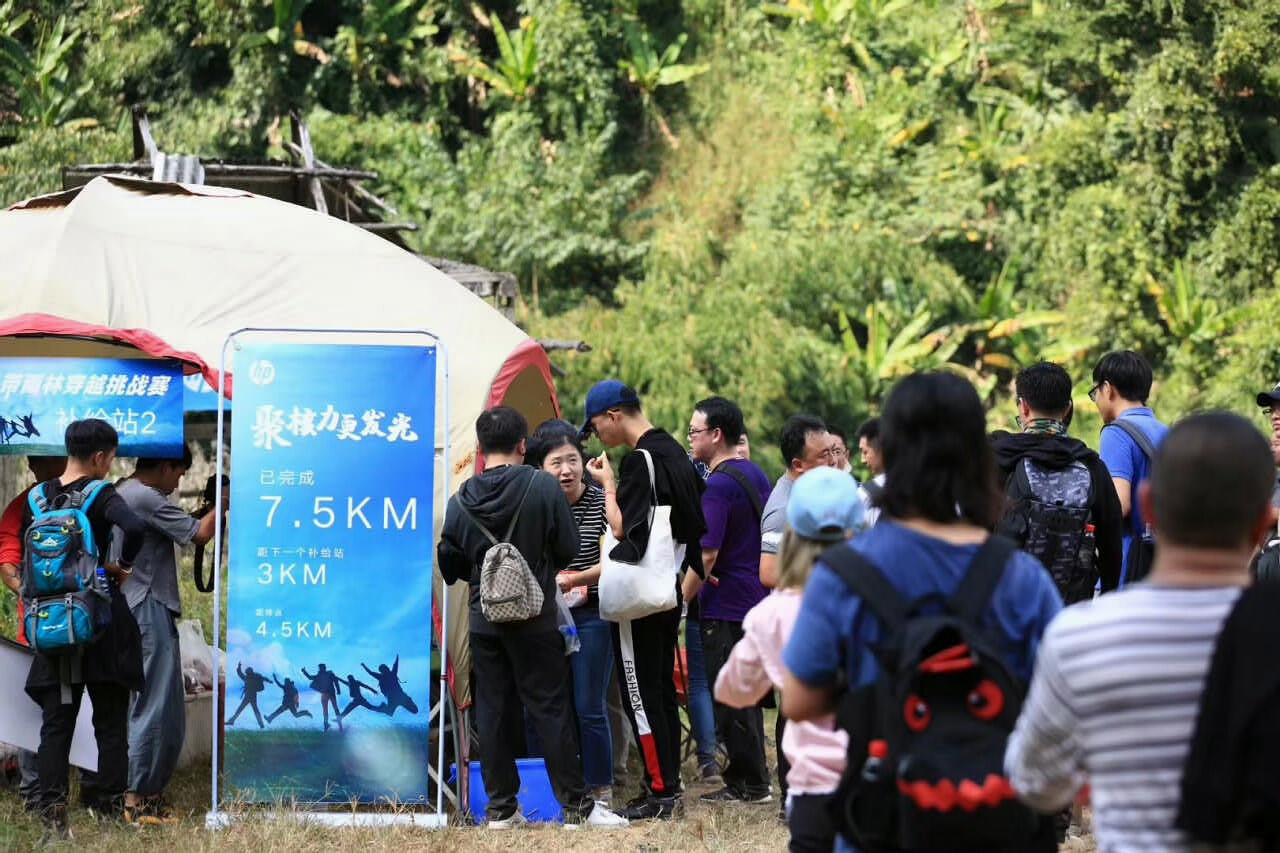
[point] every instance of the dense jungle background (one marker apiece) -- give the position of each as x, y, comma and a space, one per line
790, 204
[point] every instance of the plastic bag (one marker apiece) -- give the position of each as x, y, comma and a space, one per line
576, 596
197, 656
568, 629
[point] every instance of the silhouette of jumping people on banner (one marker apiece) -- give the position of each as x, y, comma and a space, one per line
254, 684
357, 698
389, 683
288, 701
328, 686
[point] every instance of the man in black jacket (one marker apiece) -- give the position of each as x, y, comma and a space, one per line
528, 654
1050, 476
646, 647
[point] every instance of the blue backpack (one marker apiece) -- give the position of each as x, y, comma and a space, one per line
67, 605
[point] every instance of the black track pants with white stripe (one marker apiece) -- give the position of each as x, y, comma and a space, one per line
646, 651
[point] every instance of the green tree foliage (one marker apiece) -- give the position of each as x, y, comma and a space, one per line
515, 71
861, 187
649, 70
37, 71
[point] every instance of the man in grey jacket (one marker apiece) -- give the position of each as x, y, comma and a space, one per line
157, 713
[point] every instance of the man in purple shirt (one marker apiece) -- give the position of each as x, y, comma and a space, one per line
737, 490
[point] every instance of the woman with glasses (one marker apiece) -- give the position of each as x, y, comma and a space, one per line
555, 448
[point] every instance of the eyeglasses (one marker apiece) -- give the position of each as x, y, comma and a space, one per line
1093, 392
1267, 411
692, 432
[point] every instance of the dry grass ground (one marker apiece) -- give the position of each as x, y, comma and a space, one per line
713, 828
740, 829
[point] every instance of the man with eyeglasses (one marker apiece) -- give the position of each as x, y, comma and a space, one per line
839, 449
732, 506
1269, 401
1130, 435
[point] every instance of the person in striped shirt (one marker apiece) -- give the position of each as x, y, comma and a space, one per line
1118, 680
555, 448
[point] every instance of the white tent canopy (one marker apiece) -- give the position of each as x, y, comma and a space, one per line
172, 270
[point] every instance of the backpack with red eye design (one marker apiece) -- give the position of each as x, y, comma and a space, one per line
925, 767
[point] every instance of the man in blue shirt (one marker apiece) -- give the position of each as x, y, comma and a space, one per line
1121, 385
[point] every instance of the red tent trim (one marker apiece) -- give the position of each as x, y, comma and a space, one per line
529, 354
49, 325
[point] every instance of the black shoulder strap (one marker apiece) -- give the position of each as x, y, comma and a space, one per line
873, 489
979, 584
1139, 437
511, 528
741, 479
493, 540
866, 581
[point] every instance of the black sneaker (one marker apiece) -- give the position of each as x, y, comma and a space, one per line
730, 795
654, 808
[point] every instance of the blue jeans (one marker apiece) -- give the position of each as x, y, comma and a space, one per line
592, 666
701, 711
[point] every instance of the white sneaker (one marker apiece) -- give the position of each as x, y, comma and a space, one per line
516, 820
600, 818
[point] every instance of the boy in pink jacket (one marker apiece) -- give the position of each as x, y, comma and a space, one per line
824, 509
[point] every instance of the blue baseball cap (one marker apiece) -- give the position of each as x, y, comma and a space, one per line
825, 505
604, 396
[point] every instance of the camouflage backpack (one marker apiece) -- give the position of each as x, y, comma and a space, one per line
1049, 518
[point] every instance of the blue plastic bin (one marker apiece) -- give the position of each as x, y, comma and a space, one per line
537, 800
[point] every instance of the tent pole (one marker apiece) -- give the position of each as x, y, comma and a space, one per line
443, 486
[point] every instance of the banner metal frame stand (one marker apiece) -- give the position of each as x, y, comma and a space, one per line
343, 814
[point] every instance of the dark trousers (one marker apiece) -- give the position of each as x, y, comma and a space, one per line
110, 728
535, 664
740, 729
812, 828
784, 766
646, 650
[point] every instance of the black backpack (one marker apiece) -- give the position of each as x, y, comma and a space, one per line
925, 771
1049, 517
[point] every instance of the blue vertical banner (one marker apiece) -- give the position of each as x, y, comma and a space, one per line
330, 573
141, 398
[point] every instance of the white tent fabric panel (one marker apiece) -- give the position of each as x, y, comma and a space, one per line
192, 264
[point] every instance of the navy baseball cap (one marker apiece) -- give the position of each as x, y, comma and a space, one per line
604, 396
825, 505
1269, 399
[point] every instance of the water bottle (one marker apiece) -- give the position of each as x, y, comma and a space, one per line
103, 584
572, 643
877, 752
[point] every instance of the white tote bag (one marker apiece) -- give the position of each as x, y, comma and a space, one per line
633, 590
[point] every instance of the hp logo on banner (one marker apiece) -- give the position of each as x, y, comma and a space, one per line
262, 372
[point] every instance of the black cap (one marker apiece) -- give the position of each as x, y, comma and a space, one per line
1269, 399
